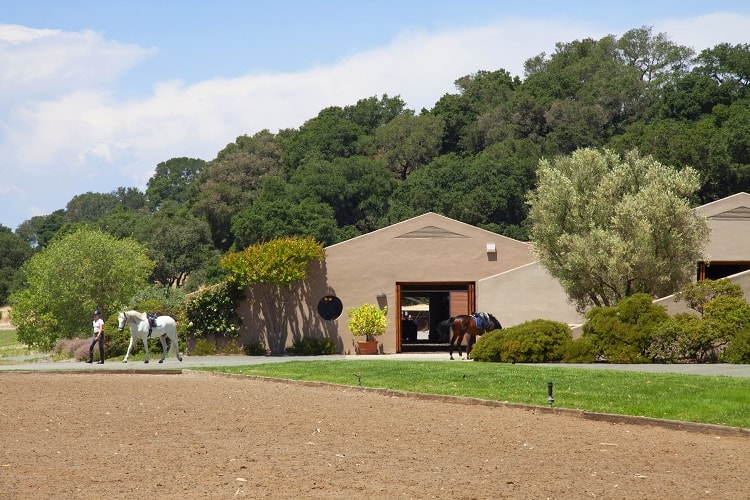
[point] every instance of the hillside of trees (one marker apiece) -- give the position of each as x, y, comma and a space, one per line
472, 157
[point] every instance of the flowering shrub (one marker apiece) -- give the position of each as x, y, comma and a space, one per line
368, 320
77, 348
213, 311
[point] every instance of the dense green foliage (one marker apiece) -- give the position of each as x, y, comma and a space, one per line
691, 398
311, 346
473, 156
76, 274
536, 341
622, 333
213, 311
639, 331
14, 251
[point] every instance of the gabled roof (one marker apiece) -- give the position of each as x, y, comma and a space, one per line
431, 226
734, 207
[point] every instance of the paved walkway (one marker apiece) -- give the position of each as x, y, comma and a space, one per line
27, 363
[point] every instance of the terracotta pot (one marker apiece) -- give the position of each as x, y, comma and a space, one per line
367, 346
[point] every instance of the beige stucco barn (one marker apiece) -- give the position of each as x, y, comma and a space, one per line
431, 267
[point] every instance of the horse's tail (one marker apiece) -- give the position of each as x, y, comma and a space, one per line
444, 328
170, 329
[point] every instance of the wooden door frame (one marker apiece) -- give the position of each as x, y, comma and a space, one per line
469, 286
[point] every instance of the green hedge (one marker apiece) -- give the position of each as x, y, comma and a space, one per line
535, 341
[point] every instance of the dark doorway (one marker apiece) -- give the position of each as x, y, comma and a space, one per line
422, 306
718, 270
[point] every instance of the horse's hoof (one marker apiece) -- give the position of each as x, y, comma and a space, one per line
161, 361
180, 359
146, 361
124, 360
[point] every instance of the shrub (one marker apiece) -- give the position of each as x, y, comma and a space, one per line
683, 337
213, 311
231, 347
698, 294
368, 321
738, 350
535, 341
623, 333
77, 349
580, 350
255, 348
203, 347
726, 316
310, 346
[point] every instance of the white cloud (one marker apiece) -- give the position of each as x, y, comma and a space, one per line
46, 64
705, 32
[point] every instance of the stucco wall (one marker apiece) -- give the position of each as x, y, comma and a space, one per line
526, 293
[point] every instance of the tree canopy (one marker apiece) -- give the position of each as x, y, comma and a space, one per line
76, 274
608, 227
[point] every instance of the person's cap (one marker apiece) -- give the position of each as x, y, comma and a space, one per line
97, 313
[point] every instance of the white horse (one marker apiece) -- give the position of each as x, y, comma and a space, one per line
166, 326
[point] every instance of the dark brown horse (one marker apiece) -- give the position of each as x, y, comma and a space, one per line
469, 325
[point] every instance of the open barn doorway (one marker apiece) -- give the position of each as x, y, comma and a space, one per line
421, 308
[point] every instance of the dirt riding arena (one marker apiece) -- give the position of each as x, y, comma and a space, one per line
195, 435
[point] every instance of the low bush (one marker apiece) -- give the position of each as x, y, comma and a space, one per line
683, 337
203, 347
623, 333
738, 350
310, 346
580, 350
231, 347
77, 349
535, 341
255, 348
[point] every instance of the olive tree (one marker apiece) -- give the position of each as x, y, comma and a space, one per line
608, 227
77, 273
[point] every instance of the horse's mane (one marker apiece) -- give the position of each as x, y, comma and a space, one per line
495, 321
141, 316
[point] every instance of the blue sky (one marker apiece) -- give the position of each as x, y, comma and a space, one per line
94, 94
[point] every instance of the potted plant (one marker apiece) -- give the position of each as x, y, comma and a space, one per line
367, 321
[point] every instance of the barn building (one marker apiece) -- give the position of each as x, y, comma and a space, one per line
431, 267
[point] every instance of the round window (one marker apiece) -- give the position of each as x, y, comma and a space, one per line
330, 307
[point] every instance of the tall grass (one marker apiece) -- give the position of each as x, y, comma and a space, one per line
691, 398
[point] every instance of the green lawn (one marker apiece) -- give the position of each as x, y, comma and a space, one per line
9, 345
691, 398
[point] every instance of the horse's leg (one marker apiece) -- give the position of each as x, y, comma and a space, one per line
145, 346
469, 345
130, 346
163, 348
450, 348
461, 345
